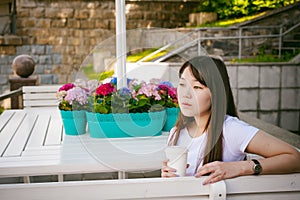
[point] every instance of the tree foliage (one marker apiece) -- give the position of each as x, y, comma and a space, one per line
227, 9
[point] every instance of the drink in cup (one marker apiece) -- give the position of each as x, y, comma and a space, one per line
177, 158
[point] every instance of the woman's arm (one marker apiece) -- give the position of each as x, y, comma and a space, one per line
279, 157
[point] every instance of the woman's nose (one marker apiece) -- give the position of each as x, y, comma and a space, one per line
187, 93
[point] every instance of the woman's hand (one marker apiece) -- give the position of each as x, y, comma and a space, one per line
221, 170
166, 171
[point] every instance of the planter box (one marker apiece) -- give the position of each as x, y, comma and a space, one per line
74, 122
172, 115
125, 124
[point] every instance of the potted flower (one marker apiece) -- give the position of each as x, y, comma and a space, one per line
169, 100
73, 103
131, 111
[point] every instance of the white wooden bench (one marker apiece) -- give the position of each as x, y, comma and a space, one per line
40, 96
248, 187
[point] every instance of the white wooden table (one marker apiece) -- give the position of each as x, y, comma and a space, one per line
33, 142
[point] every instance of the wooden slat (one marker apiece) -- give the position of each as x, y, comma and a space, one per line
9, 130
241, 188
50, 165
54, 133
181, 188
5, 117
39, 131
41, 88
40, 103
40, 95
20, 138
264, 187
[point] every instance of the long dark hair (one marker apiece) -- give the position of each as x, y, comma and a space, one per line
212, 73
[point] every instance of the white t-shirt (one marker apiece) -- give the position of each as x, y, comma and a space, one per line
236, 137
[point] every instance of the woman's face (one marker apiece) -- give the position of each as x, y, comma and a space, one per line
193, 97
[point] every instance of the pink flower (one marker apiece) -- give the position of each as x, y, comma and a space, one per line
105, 89
66, 87
76, 94
150, 90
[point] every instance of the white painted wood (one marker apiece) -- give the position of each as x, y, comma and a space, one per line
26, 179
5, 117
54, 133
45, 153
218, 192
39, 103
9, 130
178, 188
38, 134
40, 96
247, 187
41, 88
122, 175
18, 142
60, 178
264, 187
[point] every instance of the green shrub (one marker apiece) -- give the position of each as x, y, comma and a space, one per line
227, 9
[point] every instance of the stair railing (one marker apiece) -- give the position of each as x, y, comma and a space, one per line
240, 37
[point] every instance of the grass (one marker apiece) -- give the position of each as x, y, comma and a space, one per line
264, 58
285, 57
230, 22
91, 74
138, 56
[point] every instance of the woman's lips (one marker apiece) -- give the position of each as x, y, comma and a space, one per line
186, 104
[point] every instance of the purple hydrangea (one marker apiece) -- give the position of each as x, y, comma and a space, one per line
125, 91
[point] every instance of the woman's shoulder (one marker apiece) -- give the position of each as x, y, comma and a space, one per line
231, 120
232, 123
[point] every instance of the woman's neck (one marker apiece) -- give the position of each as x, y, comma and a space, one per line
198, 127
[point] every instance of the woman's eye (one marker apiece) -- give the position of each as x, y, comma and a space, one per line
181, 84
198, 87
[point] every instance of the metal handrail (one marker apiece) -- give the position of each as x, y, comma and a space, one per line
17, 92
239, 37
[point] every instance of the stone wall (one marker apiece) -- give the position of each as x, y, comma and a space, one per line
270, 92
59, 34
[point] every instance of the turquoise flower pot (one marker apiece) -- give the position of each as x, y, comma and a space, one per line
74, 122
172, 115
125, 124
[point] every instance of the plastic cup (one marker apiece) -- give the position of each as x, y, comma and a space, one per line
177, 159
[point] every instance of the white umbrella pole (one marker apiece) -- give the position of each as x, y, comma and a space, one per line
121, 43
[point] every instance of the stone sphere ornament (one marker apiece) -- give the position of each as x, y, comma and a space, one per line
23, 65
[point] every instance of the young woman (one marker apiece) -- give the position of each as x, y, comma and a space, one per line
216, 139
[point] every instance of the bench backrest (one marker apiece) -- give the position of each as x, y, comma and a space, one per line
40, 96
149, 188
241, 188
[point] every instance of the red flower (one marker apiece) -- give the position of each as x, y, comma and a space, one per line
171, 91
66, 87
105, 89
